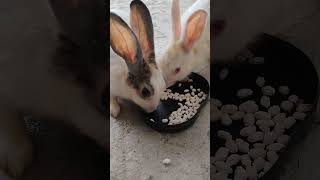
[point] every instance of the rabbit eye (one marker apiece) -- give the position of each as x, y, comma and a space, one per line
177, 70
145, 92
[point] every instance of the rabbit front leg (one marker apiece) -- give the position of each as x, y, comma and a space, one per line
16, 150
114, 106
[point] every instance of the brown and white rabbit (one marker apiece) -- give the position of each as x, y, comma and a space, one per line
134, 74
189, 49
38, 79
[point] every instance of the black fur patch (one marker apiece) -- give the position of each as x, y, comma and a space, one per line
141, 78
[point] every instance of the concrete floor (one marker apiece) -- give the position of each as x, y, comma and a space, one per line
137, 151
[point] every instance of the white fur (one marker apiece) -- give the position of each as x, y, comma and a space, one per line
196, 59
119, 87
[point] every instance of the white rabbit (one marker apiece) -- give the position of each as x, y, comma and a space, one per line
134, 74
35, 81
189, 48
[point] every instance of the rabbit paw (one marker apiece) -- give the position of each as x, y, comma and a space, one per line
14, 157
114, 107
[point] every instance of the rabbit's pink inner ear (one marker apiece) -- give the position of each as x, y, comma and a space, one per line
194, 29
141, 30
176, 19
122, 40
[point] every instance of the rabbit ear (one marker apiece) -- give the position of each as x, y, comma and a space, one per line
194, 28
123, 41
176, 19
141, 24
80, 20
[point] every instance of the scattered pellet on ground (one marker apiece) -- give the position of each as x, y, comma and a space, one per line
166, 161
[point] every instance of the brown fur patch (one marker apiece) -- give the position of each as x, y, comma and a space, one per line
141, 78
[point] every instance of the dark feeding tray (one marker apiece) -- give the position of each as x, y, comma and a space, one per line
166, 107
284, 65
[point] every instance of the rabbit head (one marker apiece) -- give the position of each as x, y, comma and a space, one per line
143, 81
180, 57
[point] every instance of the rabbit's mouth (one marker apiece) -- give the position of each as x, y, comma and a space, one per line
218, 27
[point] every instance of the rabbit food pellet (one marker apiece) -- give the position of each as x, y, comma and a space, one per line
221, 154
233, 160
189, 103
164, 120
265, 101
284, 90
251, 173
237, 115
242, 146
226, 120
299, 115
249, 107
272, 156
224, 135
229, 108
293, 98
245, 160
286, 106
274, 110
240, 173
166, 161
232, 146
244, 93
260, 81
217, 102
255, 137
249, 119
247, 131
264, 126
259, 163
268, 90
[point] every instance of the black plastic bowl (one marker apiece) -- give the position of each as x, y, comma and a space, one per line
284, 65
166, 107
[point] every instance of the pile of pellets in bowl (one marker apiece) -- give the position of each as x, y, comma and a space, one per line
180, 104
189, 103
264, 130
